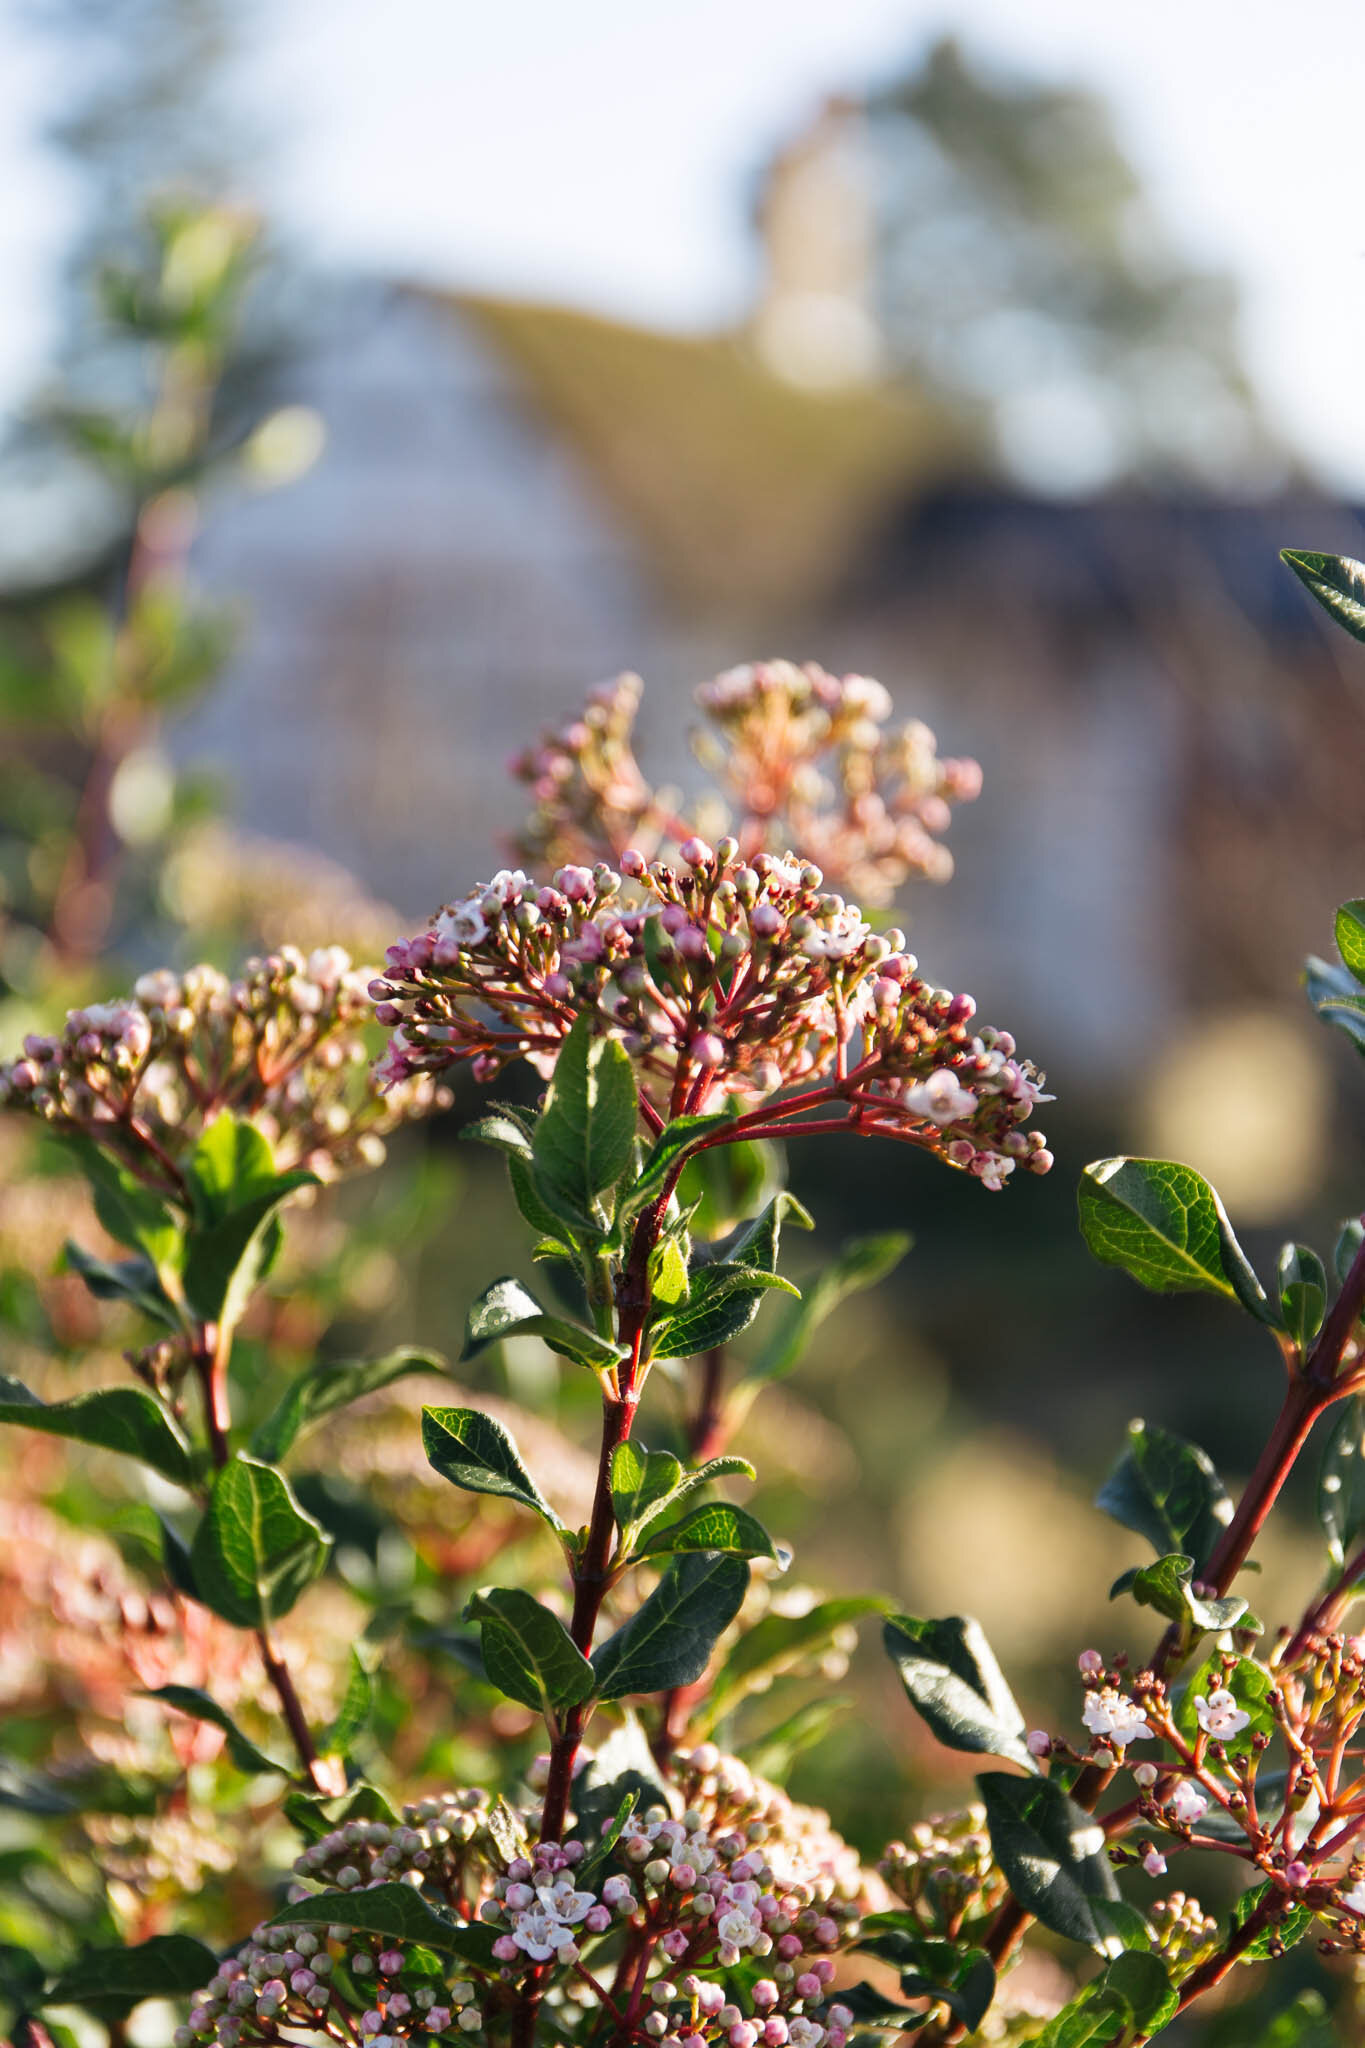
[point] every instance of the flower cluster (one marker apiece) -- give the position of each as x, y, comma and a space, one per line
722, 978
648, 1927
284, 1044
945, 1872
803, 756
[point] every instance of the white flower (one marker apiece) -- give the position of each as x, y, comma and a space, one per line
1220, 1715
327, 964
940, 1098
1188, 1803
464, 925
1354, 1900
563, 1901
539, 1933
991, 1170
803, 2033
1154, 1863
1114, 1716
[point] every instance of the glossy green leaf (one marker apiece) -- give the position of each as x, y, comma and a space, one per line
950, 1673
1346, 1250
1166, 1489
1167, 1587
668, 1272
327, 1386
715, 1525
758, 1243
134, 1281
1341, 1482
166, 1966
862, 1262
669, 1639
640, 1480
1337, 582
1164, 1225
111, 1419
723, 1301
527, 1651
256, 1550
1303, 1293
505, 1130
231, 1166
475, 1452
1288, 1929
507, 1309
1337, 998
1132, 1999
227, 1259
584, 1141
1350, 936
1052, 1854
188, 1699
542, 1215
398, 1910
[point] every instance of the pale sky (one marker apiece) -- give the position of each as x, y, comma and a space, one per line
596, 151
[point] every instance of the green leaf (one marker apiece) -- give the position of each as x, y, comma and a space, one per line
543, 1216
188, 1699
1166, 1586
1341, 1482
723, 1301
1303, 1293
1250, 1687
777, 1646
527, 1651
668, 1272
1335, 581
1132, 1999
327, 1386
862, 1262
1287, 1931
475, 1452
1337, 998
674, 1141
715, 1525
640, 1480
167, 1966
227, 1259
133, 1215
393, 1909
1163, 1224
1350, 936
111, 1419
353, 1715
952, 1678
1347, 1247
256, 1550
504, 1130
507, 1309
585, 1137
758, 1243
132, 1280
692, 1482
1166, 1489
231, 1166
1052, 1854
669, 1639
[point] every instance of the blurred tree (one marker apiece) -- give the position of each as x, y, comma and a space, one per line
1020, 273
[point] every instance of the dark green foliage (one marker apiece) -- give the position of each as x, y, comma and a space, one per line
950, 1673
121, 1419
669, 1639
1163, 1224
256, 1550
527, 1651
1166, 1489
475, 1452
1052, 1853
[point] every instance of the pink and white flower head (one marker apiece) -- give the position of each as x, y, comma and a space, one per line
726, 981
1114, 1718
1220, 1716
1187, 1803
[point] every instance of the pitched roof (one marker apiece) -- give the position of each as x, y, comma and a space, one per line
746, 493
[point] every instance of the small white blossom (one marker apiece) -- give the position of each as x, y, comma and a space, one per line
464, 925
1114, 1716
1220, 1715
1354, 1900
941, 1098
1188, 1803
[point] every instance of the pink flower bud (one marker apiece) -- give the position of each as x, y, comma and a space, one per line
1296, 1874
1090, 1664
1154, 1863
764, 1993
707, 1049
505, 1949
697, 854
808, 1985
1039, 1742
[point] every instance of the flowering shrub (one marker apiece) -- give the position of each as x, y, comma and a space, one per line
596, 1868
